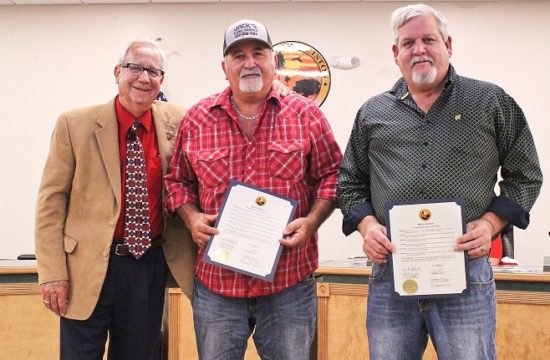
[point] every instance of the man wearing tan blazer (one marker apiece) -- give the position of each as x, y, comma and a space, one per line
85, 271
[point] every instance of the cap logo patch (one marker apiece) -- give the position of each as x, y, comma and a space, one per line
245, 30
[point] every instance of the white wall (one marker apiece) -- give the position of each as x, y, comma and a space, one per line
53, 58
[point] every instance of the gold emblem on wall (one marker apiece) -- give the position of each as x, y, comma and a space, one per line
303, 69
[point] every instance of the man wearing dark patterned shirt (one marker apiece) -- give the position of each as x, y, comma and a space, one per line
280, 144
436, 135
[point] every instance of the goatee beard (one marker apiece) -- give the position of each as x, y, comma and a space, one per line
251, 84
424, 78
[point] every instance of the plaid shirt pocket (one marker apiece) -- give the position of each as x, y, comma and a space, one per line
285, 160
212, 167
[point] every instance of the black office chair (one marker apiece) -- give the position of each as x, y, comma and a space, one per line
507, 235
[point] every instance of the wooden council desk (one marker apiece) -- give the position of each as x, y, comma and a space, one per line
523, 314
28, 331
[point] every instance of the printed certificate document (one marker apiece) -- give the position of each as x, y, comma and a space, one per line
251, 223
426, 264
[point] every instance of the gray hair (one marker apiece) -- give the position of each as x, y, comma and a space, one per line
402, 15
145, 43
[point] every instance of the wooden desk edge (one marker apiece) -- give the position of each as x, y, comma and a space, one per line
17, 270
332, 270
534, 277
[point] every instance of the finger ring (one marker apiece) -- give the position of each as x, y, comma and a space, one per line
47, 302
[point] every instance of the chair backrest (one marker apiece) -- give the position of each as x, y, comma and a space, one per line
507, 235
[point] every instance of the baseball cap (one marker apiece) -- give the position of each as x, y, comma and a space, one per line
245, 30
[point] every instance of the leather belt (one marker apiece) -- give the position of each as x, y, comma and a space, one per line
120, 249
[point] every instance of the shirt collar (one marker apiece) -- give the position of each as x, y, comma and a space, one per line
401, 90
125, 119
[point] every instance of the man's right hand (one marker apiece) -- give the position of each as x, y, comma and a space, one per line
201, 229
376, 244
198, 223
55, 295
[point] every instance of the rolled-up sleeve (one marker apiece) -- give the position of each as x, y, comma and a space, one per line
520, 169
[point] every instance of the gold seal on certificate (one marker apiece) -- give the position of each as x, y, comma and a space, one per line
424, 234
260, 200
410, 286
425, 214
221, 255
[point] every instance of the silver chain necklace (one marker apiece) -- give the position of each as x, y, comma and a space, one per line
242, 116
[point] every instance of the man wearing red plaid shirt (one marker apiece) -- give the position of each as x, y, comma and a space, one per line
280, 144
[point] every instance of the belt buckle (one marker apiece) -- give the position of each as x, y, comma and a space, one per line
120, 246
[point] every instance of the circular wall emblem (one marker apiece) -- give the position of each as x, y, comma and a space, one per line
303, 69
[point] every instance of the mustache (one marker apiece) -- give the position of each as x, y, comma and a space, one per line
415, 60
253, 71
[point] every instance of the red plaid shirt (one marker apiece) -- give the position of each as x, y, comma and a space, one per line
293, 153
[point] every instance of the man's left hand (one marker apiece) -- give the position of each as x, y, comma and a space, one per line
477, 240
298, 232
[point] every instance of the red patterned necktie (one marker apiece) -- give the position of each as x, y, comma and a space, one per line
136, 222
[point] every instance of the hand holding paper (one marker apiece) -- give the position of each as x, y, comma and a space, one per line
425, 234
251, 224
376, 244
297, 233
198, 223
477, 240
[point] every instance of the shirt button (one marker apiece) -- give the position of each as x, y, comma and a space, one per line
250, 168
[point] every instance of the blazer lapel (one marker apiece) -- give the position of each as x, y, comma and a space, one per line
107, 139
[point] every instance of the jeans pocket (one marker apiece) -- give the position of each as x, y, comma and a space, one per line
480, 272
377, 271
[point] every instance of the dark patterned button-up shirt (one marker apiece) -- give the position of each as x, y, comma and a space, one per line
292, 153
398, 152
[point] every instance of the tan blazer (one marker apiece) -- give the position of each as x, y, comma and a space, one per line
79, 202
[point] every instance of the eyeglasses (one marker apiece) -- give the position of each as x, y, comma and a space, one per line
137, 70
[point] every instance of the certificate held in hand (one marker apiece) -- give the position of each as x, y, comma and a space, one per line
424, 233
251, 223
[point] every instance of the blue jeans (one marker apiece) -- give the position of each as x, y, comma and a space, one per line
283, 323
460, 327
